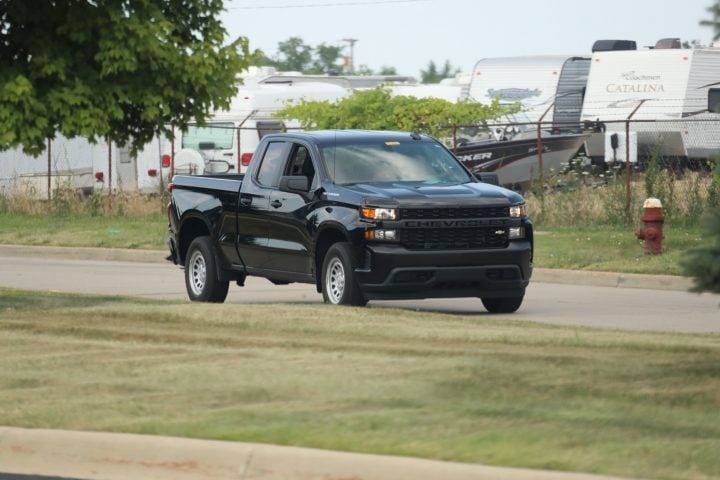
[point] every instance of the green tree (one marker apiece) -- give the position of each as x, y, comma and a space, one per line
703, 263
387, 70
432, 75
122, 68
377, 109
714, 22
326, 59
294, 55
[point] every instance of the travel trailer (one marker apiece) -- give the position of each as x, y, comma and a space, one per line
542, 83
83, 166
226, 142
665, 91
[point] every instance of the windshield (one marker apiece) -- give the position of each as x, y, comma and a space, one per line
211, 136
392, 161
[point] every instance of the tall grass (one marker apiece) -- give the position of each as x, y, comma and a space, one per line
577, 198
68, 202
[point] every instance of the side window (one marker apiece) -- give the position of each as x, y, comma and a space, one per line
714, 100
272, 164
300, 163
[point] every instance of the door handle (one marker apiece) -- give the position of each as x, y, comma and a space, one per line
245, 201
276, 204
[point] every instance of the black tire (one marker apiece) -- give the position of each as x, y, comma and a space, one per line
502, 304
339, 286
201, 273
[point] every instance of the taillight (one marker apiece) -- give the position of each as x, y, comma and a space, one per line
245, 159
152, 172
170, 187
165, 161
99, 177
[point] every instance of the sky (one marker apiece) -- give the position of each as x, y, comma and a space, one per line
407, 34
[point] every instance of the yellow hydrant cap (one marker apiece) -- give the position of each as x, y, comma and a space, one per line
652, 203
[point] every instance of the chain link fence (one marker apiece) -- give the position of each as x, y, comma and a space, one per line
565, 170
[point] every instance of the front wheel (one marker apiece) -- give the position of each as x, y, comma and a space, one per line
201, 273
502, 304
339, 286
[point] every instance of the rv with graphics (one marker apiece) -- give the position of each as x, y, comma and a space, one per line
549, 85
665, 91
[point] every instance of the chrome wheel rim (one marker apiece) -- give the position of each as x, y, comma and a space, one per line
198, 273
335, 281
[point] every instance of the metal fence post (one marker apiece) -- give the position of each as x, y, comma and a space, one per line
628, 173
109, 142
49, 171
454, 135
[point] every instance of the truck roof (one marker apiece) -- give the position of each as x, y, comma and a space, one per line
330, 137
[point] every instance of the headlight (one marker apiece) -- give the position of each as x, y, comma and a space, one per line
371, 213
517, 211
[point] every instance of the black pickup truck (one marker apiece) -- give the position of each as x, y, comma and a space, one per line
363, 215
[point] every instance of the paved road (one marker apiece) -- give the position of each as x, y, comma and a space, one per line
598, 306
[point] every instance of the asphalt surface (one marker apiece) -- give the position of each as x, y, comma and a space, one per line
595, 299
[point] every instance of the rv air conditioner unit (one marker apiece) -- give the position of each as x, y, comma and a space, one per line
611, 45
666, 43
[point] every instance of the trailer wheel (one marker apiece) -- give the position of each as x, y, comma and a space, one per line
339, 286
201, 273
502, 304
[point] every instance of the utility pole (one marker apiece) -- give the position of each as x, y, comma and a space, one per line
350, 60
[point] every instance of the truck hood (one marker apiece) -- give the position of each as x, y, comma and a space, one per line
408, 195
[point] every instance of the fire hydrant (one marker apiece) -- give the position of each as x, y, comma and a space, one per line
652, 233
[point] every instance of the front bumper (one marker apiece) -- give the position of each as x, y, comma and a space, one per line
394, 272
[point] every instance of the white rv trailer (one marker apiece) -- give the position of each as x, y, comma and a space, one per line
552, 83
660, 84
78, 164
228, 139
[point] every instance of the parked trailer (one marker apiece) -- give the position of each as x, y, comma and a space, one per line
226, 142
84, 166
542, 83
658, 90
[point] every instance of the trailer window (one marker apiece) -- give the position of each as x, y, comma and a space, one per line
211, 136
714, 100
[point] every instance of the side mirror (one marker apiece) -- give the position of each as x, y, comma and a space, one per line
488, 177
294, 183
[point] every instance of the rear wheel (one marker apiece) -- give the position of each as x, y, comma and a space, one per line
339, 286
502, 304
201, 273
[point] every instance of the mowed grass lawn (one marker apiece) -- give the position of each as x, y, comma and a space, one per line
599, 248
461, 388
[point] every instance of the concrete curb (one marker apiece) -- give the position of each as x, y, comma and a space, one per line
85, 253
612, 279
541, 275
120, 456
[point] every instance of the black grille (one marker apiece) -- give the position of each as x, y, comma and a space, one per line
465, 212
454, 238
